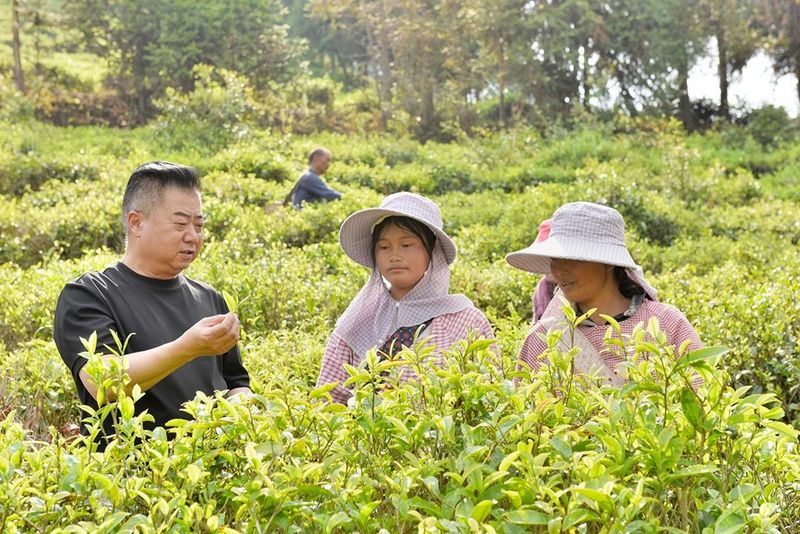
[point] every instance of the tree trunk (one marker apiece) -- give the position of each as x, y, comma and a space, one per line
722, 70
794, 33
501, 84
627, 98
381, 55
346, 76
585, 75
19, 78
797, 76
685, 111
428, 113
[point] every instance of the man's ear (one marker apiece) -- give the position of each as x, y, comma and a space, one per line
135, 220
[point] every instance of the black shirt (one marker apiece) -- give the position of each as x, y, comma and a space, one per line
156, 312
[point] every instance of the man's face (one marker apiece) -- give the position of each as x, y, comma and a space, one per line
171, 236
321, 163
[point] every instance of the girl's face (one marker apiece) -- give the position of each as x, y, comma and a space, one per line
401, 258
583, 282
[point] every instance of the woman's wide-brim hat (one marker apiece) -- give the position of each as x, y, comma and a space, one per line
355, 235
579, 231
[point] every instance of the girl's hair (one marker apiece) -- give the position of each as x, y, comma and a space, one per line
408, 224
627, 287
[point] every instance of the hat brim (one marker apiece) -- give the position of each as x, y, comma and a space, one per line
355, 234
536, 258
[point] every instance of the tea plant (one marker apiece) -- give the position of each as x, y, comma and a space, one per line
464, 447
474, 445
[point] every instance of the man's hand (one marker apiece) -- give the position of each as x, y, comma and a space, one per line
211, 336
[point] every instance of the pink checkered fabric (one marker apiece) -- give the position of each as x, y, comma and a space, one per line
445, 331
355, 235
671, 321
542, 296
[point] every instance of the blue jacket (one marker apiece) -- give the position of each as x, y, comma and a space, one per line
311, 188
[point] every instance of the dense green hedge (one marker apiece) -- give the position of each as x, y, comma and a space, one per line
713, 219
463, 449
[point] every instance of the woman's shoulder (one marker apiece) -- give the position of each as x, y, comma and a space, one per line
674, 323
457, 324
660, 309
470, 313
668, 315
337, 342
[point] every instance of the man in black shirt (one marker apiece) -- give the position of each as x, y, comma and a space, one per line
183, 338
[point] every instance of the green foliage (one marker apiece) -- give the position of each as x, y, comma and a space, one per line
433, 70
713, 221
28, 296
63, 220
13, 104
41, 394
462, 448
217, 111
764, 352
150, 47
785, 183
74, 108
29, 172
770, 125
260, 155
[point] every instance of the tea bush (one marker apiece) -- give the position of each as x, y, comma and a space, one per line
759, 320
60, 221
784, 183
262, 155
462, 449
42, 395
28, 296
770, 125
219, 109
474, 446
29, 172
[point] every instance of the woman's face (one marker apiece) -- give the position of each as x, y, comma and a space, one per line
401, 258
582, 282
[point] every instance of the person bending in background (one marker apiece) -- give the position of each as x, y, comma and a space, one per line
407, 295
310, 187
183, 339
586, 255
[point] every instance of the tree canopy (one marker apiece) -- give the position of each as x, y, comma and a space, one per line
431, 66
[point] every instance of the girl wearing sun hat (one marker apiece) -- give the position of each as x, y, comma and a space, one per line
407, 295
586, 256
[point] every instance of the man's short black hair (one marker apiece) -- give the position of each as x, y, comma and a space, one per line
317, 152
149, 180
